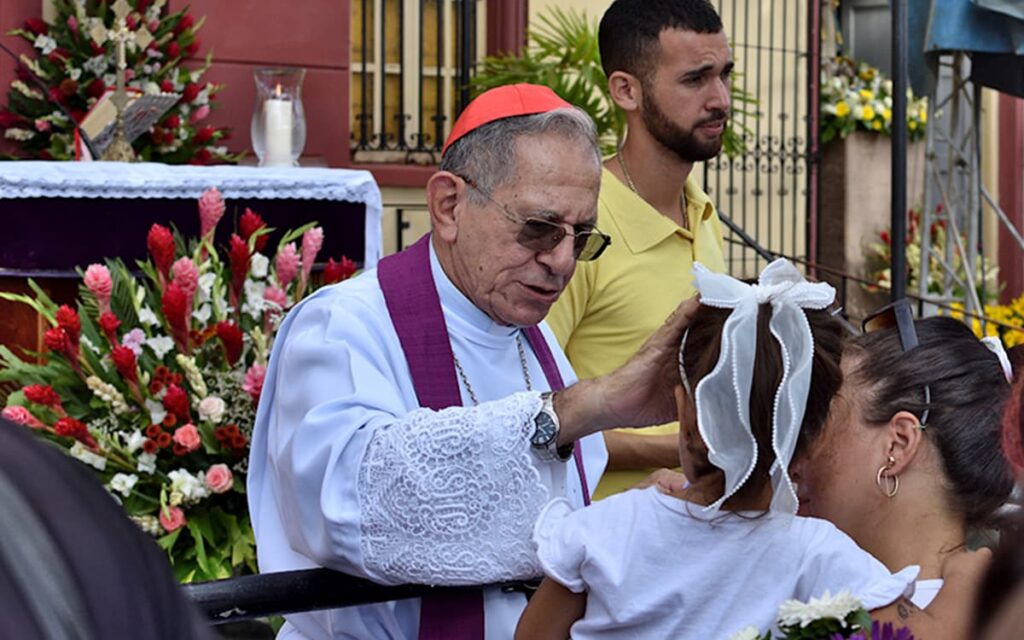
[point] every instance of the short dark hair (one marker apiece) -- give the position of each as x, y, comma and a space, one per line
968, 391
629, 31
702, 349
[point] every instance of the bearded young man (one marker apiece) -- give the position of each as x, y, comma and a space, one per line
668, 65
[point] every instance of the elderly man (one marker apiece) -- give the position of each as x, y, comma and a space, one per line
408, 431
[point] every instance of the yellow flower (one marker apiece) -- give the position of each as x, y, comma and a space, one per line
912, 125
867, 74
887, 114
868, 113
842, 109
877, 125
865, 95
923, 115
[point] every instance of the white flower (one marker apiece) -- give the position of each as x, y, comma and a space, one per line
80, 452
195, 379
147, 317
151, 88
45, 44
75, 74
149, 524
123, 483
259, 264
91, 345
109, 79
191, 487
746, 633
134, 441
18, 134
96, 65
203, 97
107, 393
157, 413
212, 409
26, 90
147, 463
795, 613
203, 313
254, 302
206, 285
133, 340
160, 345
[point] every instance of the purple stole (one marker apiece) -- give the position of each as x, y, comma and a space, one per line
415, 309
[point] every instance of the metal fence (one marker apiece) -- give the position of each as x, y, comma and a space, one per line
771, 190
412, 60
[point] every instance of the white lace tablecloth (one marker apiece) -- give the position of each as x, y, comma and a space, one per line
39, 179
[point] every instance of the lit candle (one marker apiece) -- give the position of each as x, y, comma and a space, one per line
277, 126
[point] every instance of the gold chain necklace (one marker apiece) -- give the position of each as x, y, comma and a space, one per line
632, 187
522, 363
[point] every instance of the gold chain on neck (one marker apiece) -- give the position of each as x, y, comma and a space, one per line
632, 187
522, 363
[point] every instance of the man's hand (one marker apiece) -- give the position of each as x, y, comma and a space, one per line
639, 393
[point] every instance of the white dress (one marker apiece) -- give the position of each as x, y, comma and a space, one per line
654, 566
347, 473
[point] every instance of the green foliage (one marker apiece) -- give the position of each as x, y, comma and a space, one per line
563, 54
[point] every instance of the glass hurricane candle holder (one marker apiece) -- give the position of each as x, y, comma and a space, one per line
278, 121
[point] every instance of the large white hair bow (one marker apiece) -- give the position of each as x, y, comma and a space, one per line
723, 396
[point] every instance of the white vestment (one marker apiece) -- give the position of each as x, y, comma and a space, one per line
346, 472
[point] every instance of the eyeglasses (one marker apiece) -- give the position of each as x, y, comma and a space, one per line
900, 315
538, 234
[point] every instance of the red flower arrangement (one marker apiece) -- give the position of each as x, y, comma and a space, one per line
76, 71
154, 380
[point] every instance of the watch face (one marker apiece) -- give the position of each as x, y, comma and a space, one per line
545, 430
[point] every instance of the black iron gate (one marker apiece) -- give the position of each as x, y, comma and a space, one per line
771, 190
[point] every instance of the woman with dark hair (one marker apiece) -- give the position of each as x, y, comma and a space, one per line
911, 464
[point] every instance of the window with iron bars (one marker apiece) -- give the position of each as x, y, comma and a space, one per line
411, 62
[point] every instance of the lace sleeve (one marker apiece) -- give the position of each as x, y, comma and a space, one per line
451, 497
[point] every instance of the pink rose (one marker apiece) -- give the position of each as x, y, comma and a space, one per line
188, 437
21, 415
200, 114
172, 518
219, 478
97, 280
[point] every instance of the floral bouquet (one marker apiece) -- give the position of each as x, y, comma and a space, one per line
154, 378
878, 260
826, 618
855, 96
77, 71
1008, 325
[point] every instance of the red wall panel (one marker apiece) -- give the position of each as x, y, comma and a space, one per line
13, 14
248, 34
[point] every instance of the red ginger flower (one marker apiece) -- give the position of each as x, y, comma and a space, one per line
190, 92
36, 27
176, 402
68, 320
42, 394
57, 340
161, 246
186, 276
21, 415
231, 336
253, 383
287, 263
71, 428
176, 307
124, 360
239, 256
312, 240
338, 271
249, 224
109, 324
97, 279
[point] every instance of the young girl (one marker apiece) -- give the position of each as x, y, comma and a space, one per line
759, 366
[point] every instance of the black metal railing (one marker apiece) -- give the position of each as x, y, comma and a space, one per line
388, 117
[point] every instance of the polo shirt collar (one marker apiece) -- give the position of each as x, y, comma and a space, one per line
646, 227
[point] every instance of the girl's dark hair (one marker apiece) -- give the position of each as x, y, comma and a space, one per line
968, 390
703, 345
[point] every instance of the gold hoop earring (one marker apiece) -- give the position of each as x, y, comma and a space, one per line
890, 490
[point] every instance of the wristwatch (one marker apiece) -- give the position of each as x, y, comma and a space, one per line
545, 434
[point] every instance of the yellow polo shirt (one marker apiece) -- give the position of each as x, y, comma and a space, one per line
613, 304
